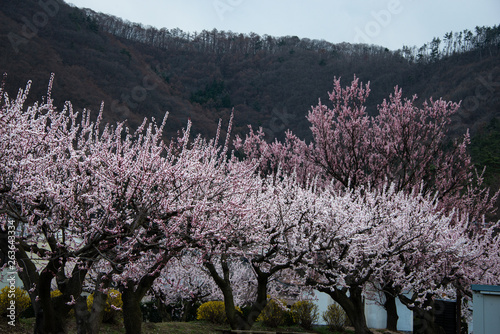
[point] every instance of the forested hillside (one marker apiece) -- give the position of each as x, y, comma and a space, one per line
270, 81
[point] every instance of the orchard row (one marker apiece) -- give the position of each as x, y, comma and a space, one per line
384, 204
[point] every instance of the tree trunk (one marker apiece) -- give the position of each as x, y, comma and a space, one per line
29, 276
353, 306
132, 294
187, 307
82, 316
132, 314
236, 320
50, 313
261, 301
391, 309
97, 311
52, 322
60, 306
423, 320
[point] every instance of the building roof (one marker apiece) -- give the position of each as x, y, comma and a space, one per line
485, 288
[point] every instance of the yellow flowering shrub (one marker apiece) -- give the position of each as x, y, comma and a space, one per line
275, 314
114, 304
55, 293
20, 296
305, 313
213, 311
114, 298
335, 317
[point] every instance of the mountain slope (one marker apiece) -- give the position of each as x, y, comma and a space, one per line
270, 81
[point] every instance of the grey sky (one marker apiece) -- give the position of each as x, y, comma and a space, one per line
390, 23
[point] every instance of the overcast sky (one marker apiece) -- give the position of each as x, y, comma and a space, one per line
390, 23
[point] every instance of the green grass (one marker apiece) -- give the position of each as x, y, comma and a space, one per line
324, 330
25, 326
192, 327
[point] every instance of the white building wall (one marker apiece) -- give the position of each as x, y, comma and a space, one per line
322, 301
405, 321
376, 316
486, 309
5, 275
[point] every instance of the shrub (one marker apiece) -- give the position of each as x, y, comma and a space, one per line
55, 293
305, 313
275, 314
213, 311
21, 297
114, 304
335, 317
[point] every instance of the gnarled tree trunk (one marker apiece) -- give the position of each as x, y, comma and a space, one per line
132, 296
423, 319
82, 316
351, 300
50, 312
391, 308
132, 314
97, 312
236, 320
